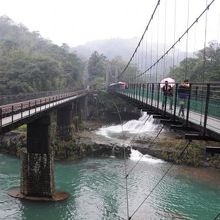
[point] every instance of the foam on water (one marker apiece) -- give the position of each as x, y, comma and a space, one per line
139, 126
136, 155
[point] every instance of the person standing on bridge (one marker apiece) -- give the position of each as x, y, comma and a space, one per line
164, 90
167, 95
183, 94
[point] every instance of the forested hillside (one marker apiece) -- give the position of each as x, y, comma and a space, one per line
30, 63
203, 67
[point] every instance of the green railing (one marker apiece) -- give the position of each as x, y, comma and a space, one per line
202, 101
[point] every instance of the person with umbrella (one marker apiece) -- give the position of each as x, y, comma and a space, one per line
167, 92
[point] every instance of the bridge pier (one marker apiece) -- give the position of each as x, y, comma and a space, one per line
64, 123
37, 172
79, 111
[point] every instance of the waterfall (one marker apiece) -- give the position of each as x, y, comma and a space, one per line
132, 127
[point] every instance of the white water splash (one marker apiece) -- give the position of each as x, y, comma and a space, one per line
129, 130
136, 155
139, 126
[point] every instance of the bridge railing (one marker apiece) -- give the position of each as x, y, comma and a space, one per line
201, 105
32, 106
7, 99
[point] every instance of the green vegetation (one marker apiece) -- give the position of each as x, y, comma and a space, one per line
22, 128
103, 72
30, 63
198, 69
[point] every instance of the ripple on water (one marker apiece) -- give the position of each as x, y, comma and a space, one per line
96, 188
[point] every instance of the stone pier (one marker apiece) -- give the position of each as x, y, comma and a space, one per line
64, 123
37, 172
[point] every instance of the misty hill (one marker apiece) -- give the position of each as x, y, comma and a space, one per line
110, 48
120, 47
124, 48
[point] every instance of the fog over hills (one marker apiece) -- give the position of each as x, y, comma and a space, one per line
110, 48
120, 47
124, 48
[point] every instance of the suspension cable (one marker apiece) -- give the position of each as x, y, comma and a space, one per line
174, 34
165, 37
217, 216
179, 39
158, 22
151, 55
160, 180
132, 139
146, 28
204, 62
187, 39
151, 143
125, 164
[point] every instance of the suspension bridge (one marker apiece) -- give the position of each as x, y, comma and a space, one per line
143, 73
148, 66
197, 114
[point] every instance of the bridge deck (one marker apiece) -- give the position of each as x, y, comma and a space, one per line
12, 117
213, 124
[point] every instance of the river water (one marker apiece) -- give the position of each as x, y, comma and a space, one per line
97, 187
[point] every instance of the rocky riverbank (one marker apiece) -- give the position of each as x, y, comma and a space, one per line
87, 142
171, 148
168, 146
84, 143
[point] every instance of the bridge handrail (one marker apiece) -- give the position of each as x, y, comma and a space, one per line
13, 108
7, 99
201, 106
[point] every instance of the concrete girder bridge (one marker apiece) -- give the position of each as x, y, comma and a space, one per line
37, 167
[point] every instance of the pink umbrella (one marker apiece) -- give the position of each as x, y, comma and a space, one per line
170, 81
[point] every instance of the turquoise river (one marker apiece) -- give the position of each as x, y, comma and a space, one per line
97, 187
97, 191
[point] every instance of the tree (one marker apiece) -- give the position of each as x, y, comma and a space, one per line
204, 67
97, 67
30, 63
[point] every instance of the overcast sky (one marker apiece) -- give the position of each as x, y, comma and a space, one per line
76, 22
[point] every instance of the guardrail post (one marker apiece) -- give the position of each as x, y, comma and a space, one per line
152, 95
21, 110
143, 87
35, 106
12, 110
139, 92
188, 105
135, 90
206, 108
29, 107
147, 93
175, 101
136, 96
164, 105
0, 117
158, 95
